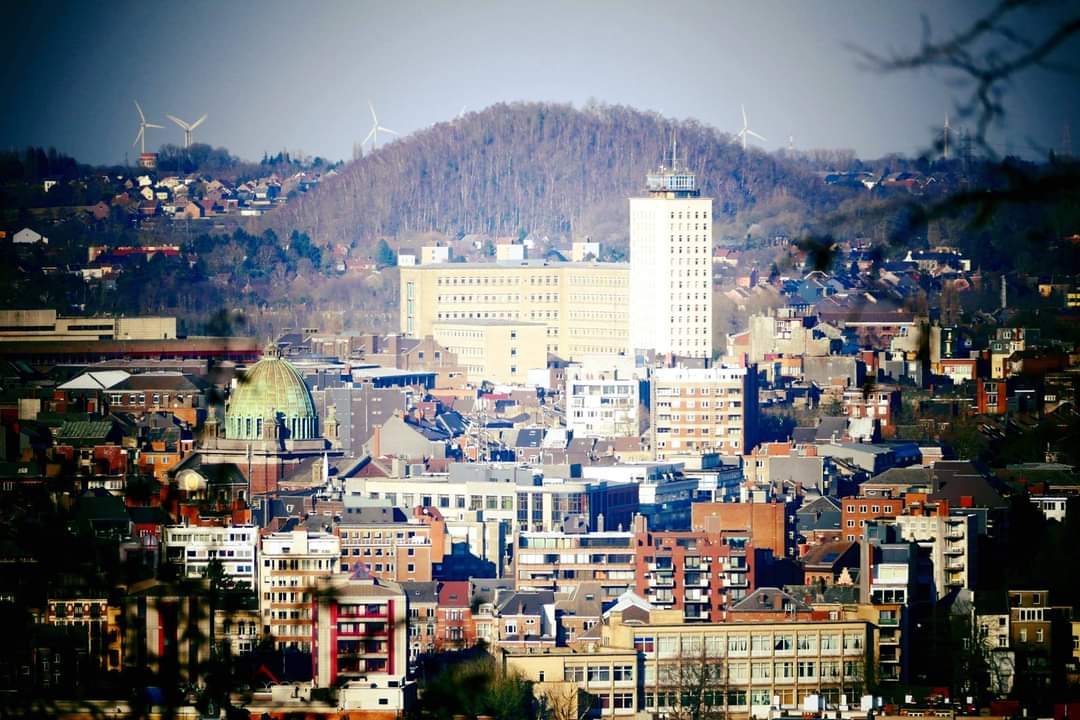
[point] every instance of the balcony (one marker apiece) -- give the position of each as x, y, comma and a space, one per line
665, 580
955, 566
889, 639
888, 621
736, 581
953, 550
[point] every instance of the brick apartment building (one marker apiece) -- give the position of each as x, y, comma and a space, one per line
695, 572
856, 512
765, 526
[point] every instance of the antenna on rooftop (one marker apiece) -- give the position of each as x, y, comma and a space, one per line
674, 145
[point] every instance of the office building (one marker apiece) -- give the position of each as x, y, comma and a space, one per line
499, 351
582, 306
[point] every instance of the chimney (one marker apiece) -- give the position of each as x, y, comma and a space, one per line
600, 522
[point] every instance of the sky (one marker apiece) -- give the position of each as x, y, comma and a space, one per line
298, 76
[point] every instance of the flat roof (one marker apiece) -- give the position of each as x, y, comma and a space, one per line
378, 371
487, 321
527, 263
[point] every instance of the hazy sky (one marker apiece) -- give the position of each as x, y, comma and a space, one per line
298, 75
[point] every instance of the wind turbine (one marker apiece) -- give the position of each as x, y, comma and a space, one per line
189, 128
373, 136
140, 138
746, 131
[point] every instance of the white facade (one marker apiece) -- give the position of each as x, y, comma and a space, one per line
434, 254
671, 268
290, 565
951, 540
193, 547
1053, 507
602, 397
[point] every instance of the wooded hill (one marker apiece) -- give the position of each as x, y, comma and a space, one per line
534, 167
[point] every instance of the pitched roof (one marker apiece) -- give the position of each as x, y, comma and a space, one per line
769, 599
421, 592
454, 594
96, 380
822, 503
525, 602
828, 554
97, 430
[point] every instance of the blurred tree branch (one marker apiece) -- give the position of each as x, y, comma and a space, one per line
985, 66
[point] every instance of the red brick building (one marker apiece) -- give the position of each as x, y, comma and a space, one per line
455, 628
856, 512
692, 571
764, 525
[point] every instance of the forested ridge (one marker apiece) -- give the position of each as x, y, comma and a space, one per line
530, 166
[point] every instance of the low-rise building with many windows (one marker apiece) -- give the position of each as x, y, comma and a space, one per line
650, 665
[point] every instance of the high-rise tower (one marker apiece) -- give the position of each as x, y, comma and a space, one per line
671, 265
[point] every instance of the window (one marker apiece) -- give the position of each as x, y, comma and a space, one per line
621, 673
599, 673
807, 669
574, 674
783, 643
784, 670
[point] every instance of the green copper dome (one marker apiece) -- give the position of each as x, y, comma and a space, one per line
271, 401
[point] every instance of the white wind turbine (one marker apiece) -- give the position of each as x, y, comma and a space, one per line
189, 128
373, 136
746, 131
140, 138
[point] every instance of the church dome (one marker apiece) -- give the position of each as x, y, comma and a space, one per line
271, 394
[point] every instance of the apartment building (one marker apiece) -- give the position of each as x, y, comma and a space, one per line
292, 565
671, 266
582, 306
602, 397
95, 619
697, 573
423, 602
562, 561
498, 350
951, 539
455, 628
390, 545
701, 410
880, 403
857, 512
193, 547
765, 526
359, 637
